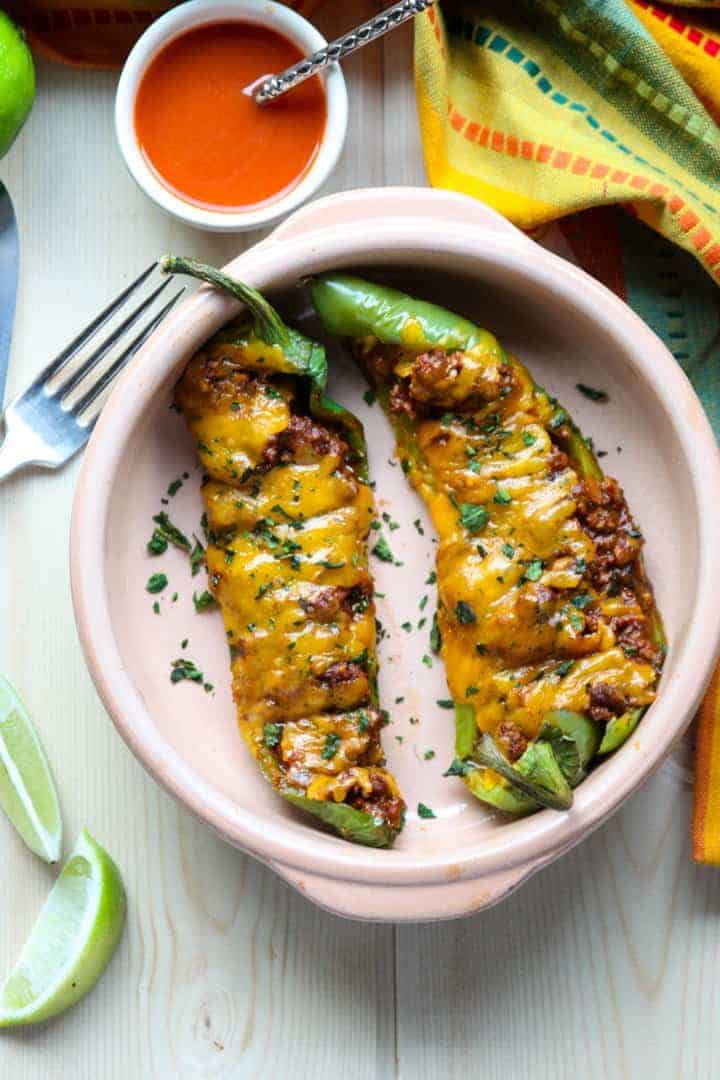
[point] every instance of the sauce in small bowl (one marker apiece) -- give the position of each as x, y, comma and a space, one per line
238, 154
197, 144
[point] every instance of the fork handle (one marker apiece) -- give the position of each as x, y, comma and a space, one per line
276, 85
10, 459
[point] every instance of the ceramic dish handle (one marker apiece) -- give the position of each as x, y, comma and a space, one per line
392, 203
385, 903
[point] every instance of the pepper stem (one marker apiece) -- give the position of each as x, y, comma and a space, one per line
268, 324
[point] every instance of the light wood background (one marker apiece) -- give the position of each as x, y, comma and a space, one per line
603, 966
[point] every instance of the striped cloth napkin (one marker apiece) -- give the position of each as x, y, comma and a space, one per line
543, 108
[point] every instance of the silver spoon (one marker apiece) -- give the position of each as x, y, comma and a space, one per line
269, 87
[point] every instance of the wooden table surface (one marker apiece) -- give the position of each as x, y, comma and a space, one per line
604, 966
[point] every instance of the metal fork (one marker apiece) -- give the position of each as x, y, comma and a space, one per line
44, 425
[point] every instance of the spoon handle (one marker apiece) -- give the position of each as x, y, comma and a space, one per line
271, 88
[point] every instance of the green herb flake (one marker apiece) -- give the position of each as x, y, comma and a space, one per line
445, 703
382, 550
473, 517
369, 397
425, 811
185, 669
204, 600
406, 626
582, 601
508, 551
156, 583
563, 668
528, 438
457, 768
431, 578
533, 570
156, 608
170, 532
272, 734
502, 497
435, 636
429, 755
175, 486
593, 393
157, 544
464, 613
332, 742
427, 660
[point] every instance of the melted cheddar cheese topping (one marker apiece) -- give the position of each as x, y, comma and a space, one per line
287, 525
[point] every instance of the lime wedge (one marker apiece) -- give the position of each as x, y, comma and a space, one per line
72, 941
27, 790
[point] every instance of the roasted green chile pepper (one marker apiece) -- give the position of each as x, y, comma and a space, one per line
288, 515
450, 390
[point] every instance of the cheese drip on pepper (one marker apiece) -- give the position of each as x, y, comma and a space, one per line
287, 524
543, 604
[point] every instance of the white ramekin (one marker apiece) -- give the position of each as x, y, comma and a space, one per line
197, 13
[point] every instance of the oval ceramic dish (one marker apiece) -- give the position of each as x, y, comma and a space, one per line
568, 329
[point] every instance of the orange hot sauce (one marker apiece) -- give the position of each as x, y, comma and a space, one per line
210, 143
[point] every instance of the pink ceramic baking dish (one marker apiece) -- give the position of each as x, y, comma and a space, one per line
569, 329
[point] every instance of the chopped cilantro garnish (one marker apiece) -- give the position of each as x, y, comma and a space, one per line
369, 397
464, 613
458, 768
330, 565
406, 626
382, 550
156, 583
593, 393
425, 811
429, 755
528, 438
563, 668
175, 486
203, 601
185, 669
473, 517
508, 551
271, 735
445, 703
435, 638
533, 570
502, 497
332, 742
431, 578
157, 544
170, 532
582, 600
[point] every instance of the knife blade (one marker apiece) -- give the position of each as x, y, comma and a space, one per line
9, 259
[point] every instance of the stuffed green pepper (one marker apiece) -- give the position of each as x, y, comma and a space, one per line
288, 510
546, 621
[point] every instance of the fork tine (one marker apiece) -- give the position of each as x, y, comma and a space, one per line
107, 377
104, 348
90, 330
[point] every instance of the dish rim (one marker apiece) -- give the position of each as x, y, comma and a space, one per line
542, 836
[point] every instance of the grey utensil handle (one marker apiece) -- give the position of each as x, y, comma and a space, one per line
387, 20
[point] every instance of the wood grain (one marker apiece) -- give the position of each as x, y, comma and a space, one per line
604, 965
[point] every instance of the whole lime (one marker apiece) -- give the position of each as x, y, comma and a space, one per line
17, 82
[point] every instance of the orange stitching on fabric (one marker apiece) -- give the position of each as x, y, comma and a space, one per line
501, 142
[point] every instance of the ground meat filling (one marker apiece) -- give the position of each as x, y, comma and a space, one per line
604, 515
511, 740
380, 803
303, 441
605, 703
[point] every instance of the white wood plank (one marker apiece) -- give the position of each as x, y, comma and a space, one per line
223, 971
604, 965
